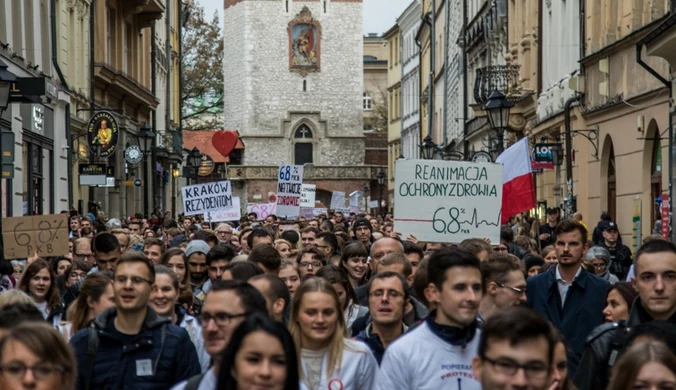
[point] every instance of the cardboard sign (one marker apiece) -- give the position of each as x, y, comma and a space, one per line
262, 210
448, 201
200, 198
232, 214
45, 234
308, 195
289, 190
337, 200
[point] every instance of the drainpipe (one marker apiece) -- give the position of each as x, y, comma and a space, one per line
430, 86
70, 158
465, 143
160, 181
55, 61
150, 179
567, 107
92, 60
420, 137
448, 22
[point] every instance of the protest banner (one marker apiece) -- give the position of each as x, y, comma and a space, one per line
307, 212
307, 196
289, 190
337, 200
232, 214
200, 198
262, 210
319, 211
354, 202
448, 201
46, 235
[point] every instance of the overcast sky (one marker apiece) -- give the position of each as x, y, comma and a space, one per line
379, 15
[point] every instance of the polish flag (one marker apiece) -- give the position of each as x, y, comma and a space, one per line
518, 193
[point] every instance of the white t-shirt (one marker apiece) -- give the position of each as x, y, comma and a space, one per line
421, 360
208, 382
357, 370
43, 309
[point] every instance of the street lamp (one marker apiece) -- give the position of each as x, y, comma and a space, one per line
146, 139
6, 80
428, 148
365, 191
381, 181
194, 161
498, 108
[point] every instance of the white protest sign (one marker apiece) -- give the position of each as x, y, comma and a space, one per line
289, 190
307, 212
319, 211
307, 196
337, 200
200, 198
354, 200
373, 204
448, 201
232, 214
262, 210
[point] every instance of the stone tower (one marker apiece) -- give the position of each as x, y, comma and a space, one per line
293, 89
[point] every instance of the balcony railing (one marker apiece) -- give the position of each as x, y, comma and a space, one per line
503, 78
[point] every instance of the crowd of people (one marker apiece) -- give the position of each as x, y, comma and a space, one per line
338, 302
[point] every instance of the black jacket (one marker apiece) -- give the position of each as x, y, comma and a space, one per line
604, 346
620, 259
546, 229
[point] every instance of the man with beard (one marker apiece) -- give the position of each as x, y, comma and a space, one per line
571, 298
196, 252
505, 284
388, 294
439, 351
127, 343
225, 308
362, 230
656, 285
515, 352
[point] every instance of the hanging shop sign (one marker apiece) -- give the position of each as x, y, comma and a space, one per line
133, 154
102, 128
206, 165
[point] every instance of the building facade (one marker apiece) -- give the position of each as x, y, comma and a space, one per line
377, 100
409, 24
37, 183
295, 94
394, 91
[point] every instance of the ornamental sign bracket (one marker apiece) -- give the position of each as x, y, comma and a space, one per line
592, 135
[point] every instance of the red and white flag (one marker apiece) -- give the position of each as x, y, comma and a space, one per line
518, 192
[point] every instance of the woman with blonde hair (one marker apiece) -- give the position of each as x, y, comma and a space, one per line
325, 357
10, 297
40, 348
290, 275
284, 248
649, 365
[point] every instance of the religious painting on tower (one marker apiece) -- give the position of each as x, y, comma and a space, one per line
304, 43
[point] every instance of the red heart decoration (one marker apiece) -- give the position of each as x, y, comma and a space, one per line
225, 141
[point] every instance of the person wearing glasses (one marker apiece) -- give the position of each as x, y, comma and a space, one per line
388, 294
438, 352
504, 283
35, 356
82, 250
516, 351
225, 307
224, 233
130, 344
310, 260
598, 259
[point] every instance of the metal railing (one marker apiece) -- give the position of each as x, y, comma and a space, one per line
503, 78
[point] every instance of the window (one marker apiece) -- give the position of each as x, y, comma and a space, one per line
368, 100
302, 145
304, 85
110, 27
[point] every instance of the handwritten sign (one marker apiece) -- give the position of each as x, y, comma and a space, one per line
262, 210
45, 234
337, 200
200, 198
354, 201
232, 214
308, 195
448, 201
289, 190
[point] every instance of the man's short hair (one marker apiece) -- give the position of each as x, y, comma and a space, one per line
329, 239
310, 229
327, 225
267, 256
243, 270
276, 288
411, 247
136, 257
394, 259
515, 325
258, 232
104, 242
220, 252
571, 225
243, 232
655, 246
387, 275
317, 254
475, 246
152, 241
421, 281
135, 222
206, 235
447, 258
497, 267
291, 236
173, 232
169, 223
15, 313
252, 300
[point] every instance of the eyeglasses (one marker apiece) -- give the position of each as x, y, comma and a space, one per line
500, 249
392, 294
221, 318
41, 371
313, 264
510, 368
599, 266
515, 289
77, 275
84, 257
223, 232
135, 280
